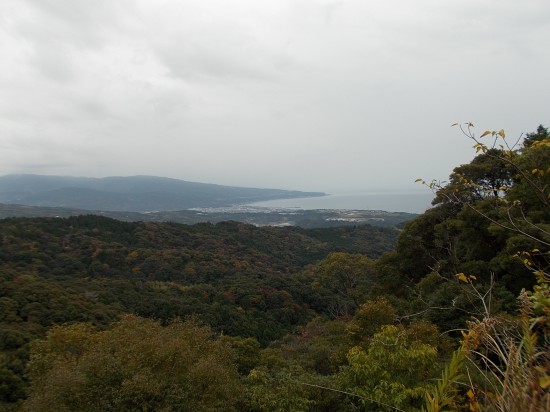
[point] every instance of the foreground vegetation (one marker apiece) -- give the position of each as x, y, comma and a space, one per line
102, 315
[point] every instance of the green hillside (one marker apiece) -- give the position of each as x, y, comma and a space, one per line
242, 280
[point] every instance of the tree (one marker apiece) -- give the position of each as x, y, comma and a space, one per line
485, 176
509, 356
344, 280
136, 365
393, 372
539, 135
370, 318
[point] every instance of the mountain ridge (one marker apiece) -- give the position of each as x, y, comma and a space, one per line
140, 193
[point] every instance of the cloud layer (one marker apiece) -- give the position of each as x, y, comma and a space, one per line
300, 94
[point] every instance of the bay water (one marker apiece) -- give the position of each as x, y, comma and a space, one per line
410, 202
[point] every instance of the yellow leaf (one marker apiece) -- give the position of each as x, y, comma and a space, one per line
485, 133
470, 394
544, 381
473, 277
501, 133
462, 277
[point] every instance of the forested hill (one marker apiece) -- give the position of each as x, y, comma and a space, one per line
133, 193
101, 246
240, 279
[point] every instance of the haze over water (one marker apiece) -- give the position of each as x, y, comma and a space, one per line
411, 202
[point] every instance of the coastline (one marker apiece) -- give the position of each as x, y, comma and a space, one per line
409, 202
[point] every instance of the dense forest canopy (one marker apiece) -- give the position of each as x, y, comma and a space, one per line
98, 314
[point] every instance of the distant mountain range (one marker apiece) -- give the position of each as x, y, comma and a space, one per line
130, 194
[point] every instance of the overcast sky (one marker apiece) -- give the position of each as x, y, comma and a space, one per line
328, 95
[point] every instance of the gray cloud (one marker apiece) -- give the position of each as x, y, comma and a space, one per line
310, 94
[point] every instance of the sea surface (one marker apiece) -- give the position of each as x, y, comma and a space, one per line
411, 202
